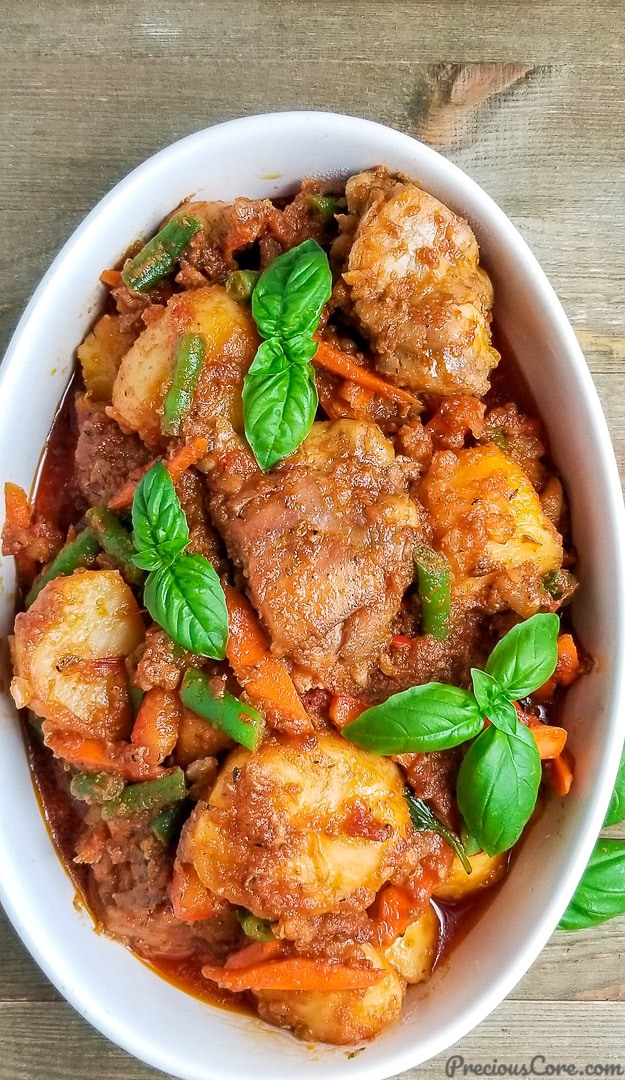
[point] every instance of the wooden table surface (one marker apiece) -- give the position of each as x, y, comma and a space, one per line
526, 96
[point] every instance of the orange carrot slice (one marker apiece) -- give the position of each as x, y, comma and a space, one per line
294, 973
190, 899
157, 723
340, 363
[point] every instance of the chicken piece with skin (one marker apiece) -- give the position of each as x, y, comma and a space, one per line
325, 544
281, 834
416, 288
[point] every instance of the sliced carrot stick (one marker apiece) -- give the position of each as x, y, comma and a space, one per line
344, 708
255, 953
394, 910
266, 680
158, 723
92, 754
559, 773
340, 363
566, 669
182, 459
185, 456
549, 740
190, 899
294, 973
112, 278
16, 506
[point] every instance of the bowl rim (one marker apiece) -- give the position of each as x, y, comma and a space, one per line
10, 374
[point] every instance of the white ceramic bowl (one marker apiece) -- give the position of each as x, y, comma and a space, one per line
262, 156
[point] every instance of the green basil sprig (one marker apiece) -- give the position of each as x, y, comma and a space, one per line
616, 809
423, 817
182, 592
600, 894
500, 775
279, 392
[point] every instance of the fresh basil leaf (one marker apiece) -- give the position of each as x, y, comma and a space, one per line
600, 894
497, 787
424, 818
187, 600
493, 701
616, 809
526, 657
158, 519
155, 558
279, 404
300, 349
429, 717
291, 293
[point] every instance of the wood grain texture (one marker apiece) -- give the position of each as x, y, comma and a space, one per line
525, 95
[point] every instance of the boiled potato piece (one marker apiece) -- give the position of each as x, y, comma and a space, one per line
340, 1017
414, 952
145, 372
278, 834
101, 354
61, 648
486, 870
487, 516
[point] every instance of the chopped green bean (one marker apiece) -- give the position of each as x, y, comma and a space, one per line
168, 823
116, 541
239, 720
240, 284
136, 695
159, 255
560, 584
253, 927
188, 360
325, 205
434, 583
96, 787
149, 795
80, 552
499, 438
36, 725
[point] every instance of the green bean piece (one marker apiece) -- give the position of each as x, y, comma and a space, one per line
253, 927
240, 284
36, 725
188, 360
560, 584
136, 695
149, 795
168, 823
116, 541
80, 552
159, 255
96, 787
499, 438
434, 584
239, 720
324, 205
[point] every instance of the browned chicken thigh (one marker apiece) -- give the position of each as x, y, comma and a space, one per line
417, 289
325, 543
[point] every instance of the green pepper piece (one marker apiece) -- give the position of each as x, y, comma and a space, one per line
434, 583
159, 255
96, 787
240, 284
324, 205
116, 541
168, 823
80, 552
149, 795
136, 695
188, 360
253, 927
239, 720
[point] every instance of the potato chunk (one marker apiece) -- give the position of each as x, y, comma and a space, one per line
487, 519
414, 952
486, 871
63, 648
340, 1017
145, 372
282, 833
